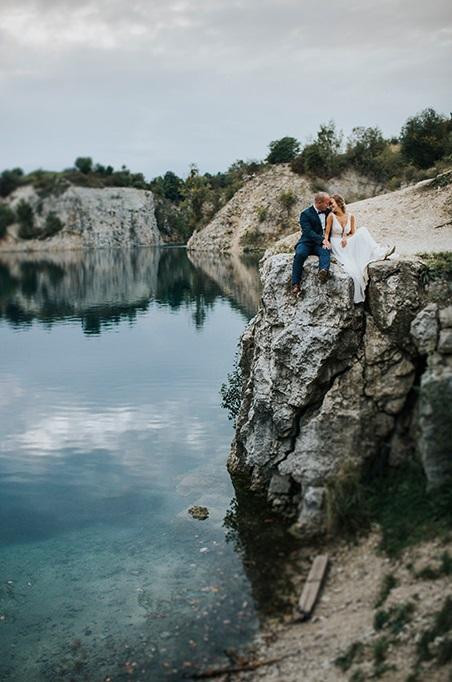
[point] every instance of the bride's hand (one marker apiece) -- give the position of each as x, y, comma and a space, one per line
343, 242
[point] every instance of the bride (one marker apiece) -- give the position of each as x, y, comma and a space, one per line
353, 249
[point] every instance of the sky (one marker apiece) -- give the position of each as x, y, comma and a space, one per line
160, 84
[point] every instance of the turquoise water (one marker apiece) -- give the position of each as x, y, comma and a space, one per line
110, 368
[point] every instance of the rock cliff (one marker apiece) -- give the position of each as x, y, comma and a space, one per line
90, 217
329, 385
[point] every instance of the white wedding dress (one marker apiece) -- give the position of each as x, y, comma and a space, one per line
361, 249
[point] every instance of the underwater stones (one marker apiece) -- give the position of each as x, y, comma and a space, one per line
199, 513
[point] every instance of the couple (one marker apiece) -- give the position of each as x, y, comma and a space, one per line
327, 228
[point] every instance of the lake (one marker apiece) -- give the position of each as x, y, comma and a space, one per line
112, 427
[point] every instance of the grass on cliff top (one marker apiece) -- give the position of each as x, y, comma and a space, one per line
398, 502
438, 265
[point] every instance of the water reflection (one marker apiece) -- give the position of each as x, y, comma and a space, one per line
107, 440
101, 288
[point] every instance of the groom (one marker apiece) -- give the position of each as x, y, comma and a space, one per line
312, 242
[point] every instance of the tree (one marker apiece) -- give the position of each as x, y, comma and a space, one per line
52, 226
424, 138
364, 146
287, 200
7, 217
10, 180
25, 218
172, 187
322, 157
283, 150
84, 164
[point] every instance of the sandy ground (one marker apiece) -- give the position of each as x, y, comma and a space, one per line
345, 615
415, 219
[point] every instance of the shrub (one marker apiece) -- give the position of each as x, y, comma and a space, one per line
262, 213
25, 218
322, 157
283, 150
84, 164
10, 180
287, 200
364, 149
52, 225
388, 583
231, 391
172, 187
7, 217
346, 506
346, 660
297, 164
425, 138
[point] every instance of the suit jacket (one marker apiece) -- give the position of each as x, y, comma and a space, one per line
311, 226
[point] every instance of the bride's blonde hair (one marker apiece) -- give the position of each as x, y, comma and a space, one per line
340, 201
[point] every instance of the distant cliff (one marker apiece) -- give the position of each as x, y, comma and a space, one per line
82, 217
328, 385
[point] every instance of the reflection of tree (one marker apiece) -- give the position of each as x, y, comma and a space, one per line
180, 283
101, 288
236, 275
267, 550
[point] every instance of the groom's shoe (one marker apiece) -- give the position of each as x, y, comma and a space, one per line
323, 276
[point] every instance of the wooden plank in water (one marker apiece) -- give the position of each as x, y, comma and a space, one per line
313, 586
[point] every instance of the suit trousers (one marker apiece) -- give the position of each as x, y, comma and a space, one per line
302, 251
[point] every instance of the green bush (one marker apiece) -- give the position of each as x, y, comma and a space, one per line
426, 137
25, 218
52, 225
262, 213
84, 164
287, 200
283, 150
10, 180
323, 158
7, 218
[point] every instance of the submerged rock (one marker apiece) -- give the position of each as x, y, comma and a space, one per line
200, 513
329, 385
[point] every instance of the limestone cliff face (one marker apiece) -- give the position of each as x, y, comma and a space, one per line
329, 384
91, 217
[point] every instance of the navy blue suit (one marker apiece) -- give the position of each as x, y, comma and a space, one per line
310, 243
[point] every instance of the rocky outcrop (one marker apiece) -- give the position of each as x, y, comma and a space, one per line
329, 385
90, 217
432, 333
267, 207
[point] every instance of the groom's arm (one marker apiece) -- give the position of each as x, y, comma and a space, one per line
308, 229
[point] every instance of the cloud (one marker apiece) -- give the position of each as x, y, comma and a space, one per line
160, 84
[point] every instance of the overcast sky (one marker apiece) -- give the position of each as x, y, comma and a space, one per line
159, 84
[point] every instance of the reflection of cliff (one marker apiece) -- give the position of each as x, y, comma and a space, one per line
95, 286
236, 275
258, 533
102, 287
